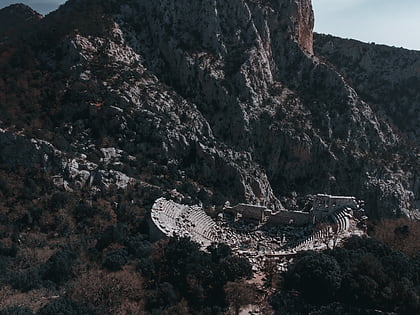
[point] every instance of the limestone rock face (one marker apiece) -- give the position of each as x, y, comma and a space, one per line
302, 18
220, 100
388, 77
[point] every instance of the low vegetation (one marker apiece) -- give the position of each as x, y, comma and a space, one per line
69, 253
362, 276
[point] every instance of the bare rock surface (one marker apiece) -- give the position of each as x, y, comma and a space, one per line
222, 100
387, 77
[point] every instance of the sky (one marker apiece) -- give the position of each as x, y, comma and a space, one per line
41, 6
390, 22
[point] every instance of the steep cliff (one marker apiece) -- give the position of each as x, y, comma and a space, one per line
221, 100
386, 77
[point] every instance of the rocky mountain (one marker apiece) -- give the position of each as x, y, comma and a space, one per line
205, 101
16, 17
388, 78
108, 105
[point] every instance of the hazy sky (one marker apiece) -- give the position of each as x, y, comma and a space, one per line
41, 6
391, 22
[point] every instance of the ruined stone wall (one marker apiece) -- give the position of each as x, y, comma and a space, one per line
329, 204
291, 217
249, 211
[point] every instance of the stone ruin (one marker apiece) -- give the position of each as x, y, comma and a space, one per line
259, 233
322, 207
170, 218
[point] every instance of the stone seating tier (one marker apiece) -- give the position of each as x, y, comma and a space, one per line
183, 220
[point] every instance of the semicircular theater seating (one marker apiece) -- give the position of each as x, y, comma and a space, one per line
172, 218
343, 224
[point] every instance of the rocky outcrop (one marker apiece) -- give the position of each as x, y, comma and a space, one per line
302, 18
68, 172
222, 100
387, 77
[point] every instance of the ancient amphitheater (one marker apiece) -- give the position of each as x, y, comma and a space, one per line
170, 218
259, 233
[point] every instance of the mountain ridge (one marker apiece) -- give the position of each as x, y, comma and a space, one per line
384, 75
186, 88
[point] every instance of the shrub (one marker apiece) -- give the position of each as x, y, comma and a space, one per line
113, 233
116, 259
16, 310
397, 266
400, 234
58, 267
26, 280
219, 251
364, 274
58, 200
234, 268
120, 292
138, 247
64, 306
7, 251
317, 276
3, 266
240, 293
84, 211
367, 245
146, 267
180, 308
286, 302
4, 187
197, 276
